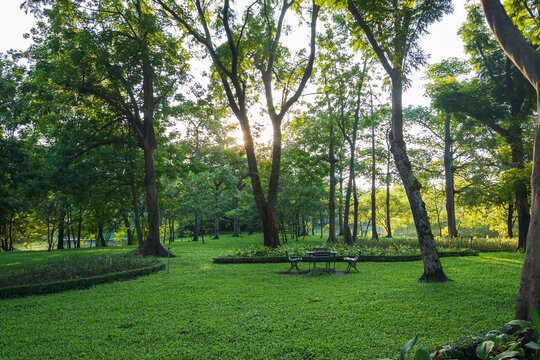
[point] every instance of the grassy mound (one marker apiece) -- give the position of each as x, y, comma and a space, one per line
58, 273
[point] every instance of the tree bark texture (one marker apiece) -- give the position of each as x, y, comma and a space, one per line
152, 246
527, 59
449, 180
433, 271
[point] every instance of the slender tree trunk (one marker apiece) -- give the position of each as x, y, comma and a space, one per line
332, 196
449, 180
135, 204
236, 224
128, 230
341, 227
374, 234
433, 271
216, 225
61, 229
79, 229
522, 203
388, 220
510, 220
321, 224
355, 212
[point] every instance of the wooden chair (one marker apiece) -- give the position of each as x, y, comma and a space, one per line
351, 262
294, 262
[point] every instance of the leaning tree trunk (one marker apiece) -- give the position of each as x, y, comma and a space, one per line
529, 287
449, 180
433, 271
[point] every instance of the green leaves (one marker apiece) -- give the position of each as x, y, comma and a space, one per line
483, 349
407, 347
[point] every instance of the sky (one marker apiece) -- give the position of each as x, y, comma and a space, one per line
442, 42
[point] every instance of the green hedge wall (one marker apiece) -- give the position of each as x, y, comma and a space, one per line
383, 258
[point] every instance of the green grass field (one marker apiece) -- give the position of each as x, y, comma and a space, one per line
201, 310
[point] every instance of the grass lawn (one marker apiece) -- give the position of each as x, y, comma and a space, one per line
201, 310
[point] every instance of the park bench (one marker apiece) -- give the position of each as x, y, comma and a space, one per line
293, 261
351, 262
322, 255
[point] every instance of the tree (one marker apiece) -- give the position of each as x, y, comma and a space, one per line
498, 97
118, 53
393, 29
527, 60
252, 44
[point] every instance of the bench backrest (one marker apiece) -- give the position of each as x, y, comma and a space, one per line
322, 255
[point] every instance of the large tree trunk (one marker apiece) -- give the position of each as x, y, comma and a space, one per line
265, 206
527, 59
433, 271
449, 180
152, 246
529, 286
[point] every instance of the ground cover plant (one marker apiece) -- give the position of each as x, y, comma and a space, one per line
202, 310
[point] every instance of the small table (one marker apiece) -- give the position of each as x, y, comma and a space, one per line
325, 256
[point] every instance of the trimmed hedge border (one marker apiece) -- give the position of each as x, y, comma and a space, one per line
80, 283
366, 258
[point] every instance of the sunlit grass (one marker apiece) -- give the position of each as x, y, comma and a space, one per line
202, 310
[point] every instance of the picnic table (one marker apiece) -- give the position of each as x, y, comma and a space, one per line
322, 255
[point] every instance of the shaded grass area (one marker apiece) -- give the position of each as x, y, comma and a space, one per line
201, 310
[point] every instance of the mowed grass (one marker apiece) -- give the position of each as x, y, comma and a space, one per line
201, 310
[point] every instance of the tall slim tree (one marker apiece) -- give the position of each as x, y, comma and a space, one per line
392, 29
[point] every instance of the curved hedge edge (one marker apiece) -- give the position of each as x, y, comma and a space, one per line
81, 283
366, 258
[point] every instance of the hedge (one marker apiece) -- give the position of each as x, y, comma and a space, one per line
80, 283
366, 258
